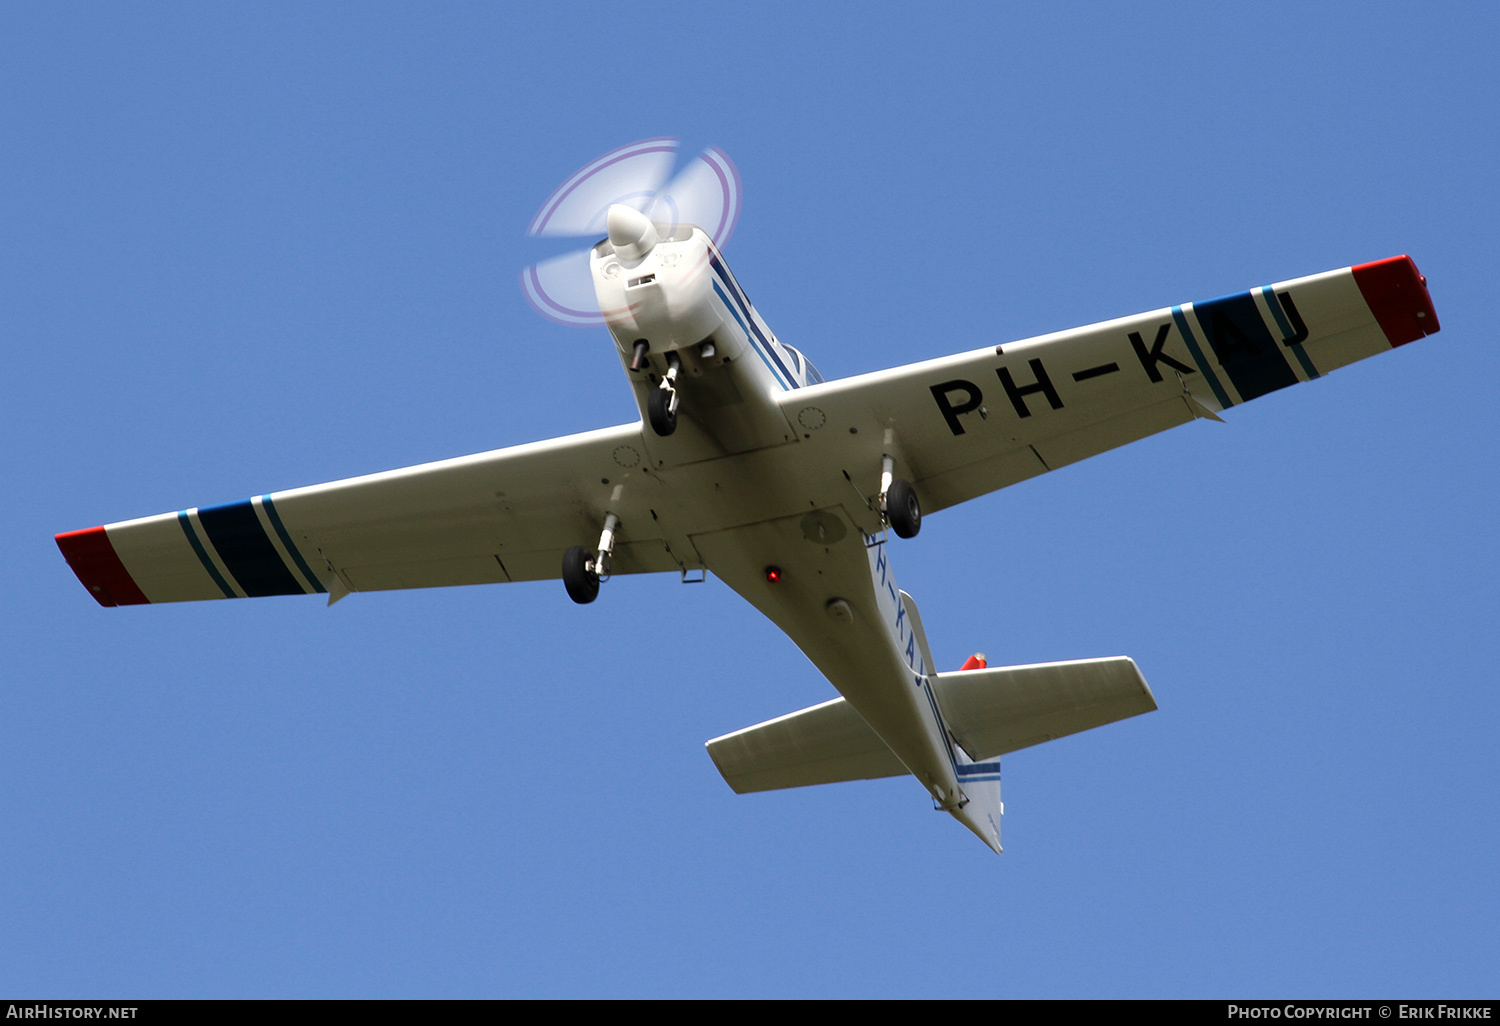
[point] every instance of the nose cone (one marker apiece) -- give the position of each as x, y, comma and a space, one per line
630, 231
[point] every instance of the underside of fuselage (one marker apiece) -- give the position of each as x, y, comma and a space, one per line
710, 378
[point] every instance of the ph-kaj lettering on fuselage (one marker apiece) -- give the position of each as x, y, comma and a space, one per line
893, 613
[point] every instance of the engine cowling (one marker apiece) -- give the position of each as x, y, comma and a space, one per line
656, 282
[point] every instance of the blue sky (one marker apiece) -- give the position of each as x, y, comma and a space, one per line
251, 247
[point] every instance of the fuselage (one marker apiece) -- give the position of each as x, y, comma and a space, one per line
682, 301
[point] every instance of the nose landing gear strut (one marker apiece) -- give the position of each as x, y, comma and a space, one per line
661, 405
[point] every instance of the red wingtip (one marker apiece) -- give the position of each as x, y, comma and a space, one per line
1397, 295
974, 662
99, 569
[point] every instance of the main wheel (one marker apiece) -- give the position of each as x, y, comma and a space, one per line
581, 582
663, 419
903, 509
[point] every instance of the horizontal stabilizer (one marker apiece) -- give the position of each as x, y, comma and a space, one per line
821, 745
1000, 710
990, 712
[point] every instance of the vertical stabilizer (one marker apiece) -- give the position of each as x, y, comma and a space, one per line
981, 784
979, 781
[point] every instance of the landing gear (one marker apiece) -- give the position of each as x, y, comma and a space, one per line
578, 575
661, 412
903, 510
582, 570
898, 501
661, 404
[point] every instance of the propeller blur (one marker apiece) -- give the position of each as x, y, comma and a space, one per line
705, 194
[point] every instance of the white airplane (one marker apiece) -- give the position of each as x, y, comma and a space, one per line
747, 464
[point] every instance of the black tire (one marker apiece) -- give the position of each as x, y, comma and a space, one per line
903, 510
581, 582
663, 420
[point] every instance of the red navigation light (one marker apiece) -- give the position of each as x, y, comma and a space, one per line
773, 574
974, 662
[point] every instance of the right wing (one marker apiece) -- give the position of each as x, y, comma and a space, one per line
506, 515
965, 425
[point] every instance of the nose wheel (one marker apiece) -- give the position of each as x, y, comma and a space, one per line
661, 411
661, 404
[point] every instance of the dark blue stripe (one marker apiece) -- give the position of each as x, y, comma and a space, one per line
754, 329
741, 321
727, 275
1204, 367
240, 539
977, 768
1243, 345
758, 339
1285, 326
719, 288
208, 564
286, 540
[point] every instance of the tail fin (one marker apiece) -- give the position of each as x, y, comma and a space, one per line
980, 781
981, 784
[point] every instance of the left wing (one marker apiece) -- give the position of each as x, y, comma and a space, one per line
966, 425
506, 515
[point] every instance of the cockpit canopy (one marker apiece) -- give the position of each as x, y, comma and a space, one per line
802, 366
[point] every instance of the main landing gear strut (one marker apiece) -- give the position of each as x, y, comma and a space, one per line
898, 501
582, 570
